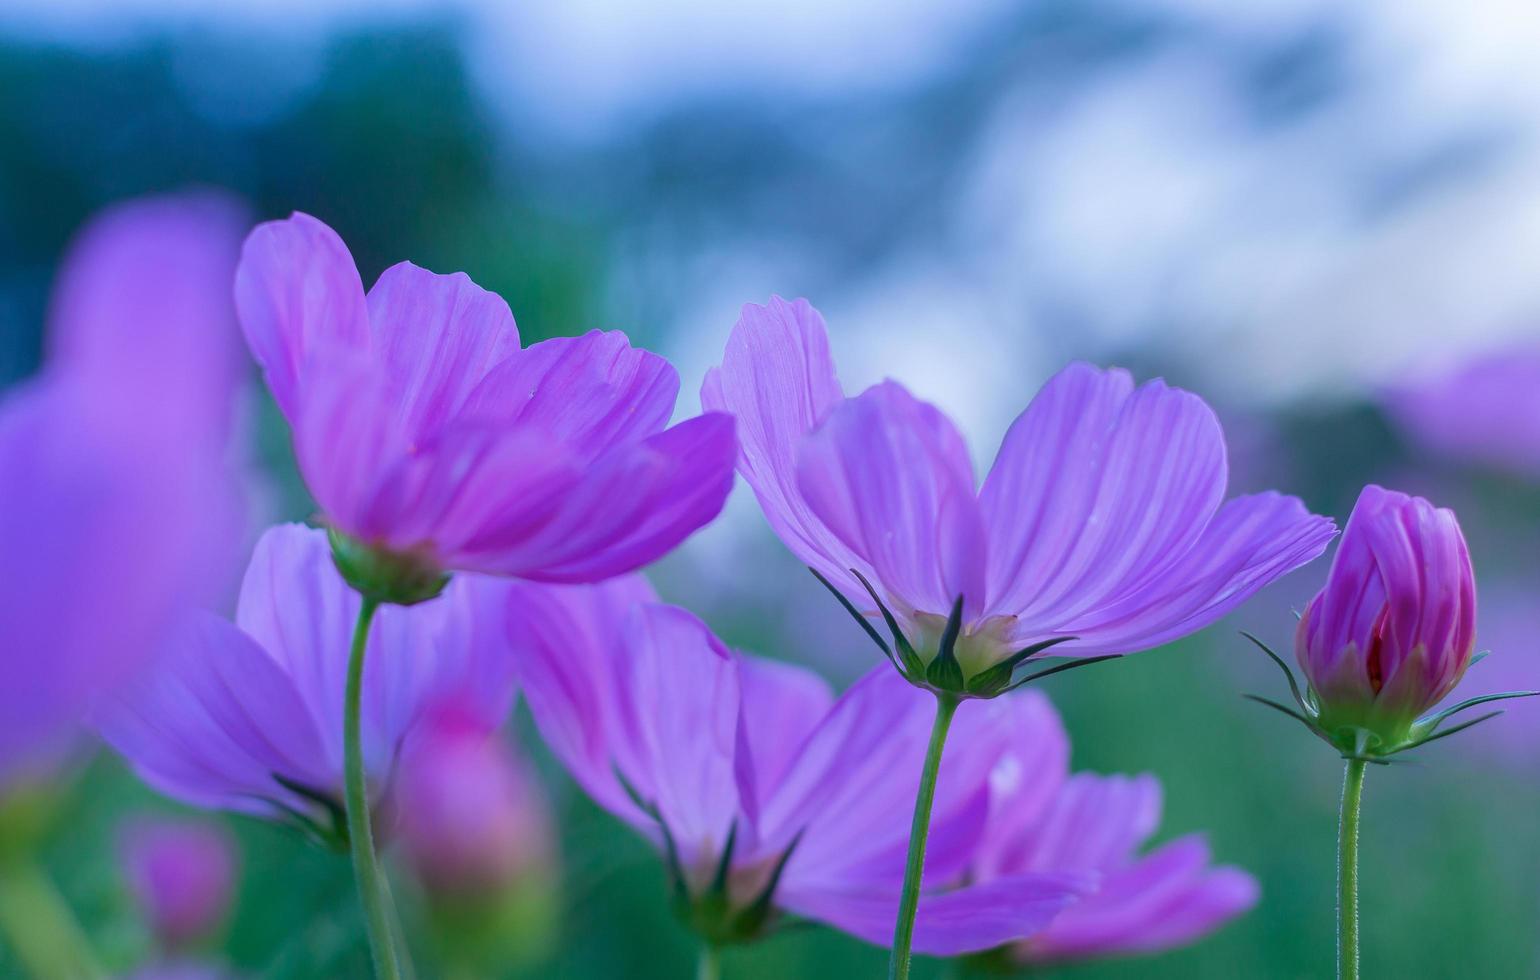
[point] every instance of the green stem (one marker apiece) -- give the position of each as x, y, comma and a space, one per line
1347, 870
709, 965
40, 927
366, 864
919, 830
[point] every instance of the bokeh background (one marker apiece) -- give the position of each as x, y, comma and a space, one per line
1312, 213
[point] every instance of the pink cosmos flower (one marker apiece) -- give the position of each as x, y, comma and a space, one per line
246, 716
427, 434
765, 792
1102, 522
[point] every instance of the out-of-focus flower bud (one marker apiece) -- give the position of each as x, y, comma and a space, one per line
474, 825
182, 874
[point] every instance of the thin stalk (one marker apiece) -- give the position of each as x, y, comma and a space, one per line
366, 864
709, 965
919, 831
1347, 870
39, 927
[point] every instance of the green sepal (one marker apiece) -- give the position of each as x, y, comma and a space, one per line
944, 672
993, 680
1060, 668
910, 663
387, 577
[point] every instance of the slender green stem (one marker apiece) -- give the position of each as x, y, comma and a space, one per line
709, 965
1347, 870
909, 902
39, 927
366, 864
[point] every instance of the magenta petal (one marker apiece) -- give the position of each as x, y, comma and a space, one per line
593, 393
213, 721
435, 338
345, 438
966, 920
630, 508
678, 712
777, 378
297, 290
863, 763
890, 476
1250, 542
782, 704
1169, 898
566, 649
1098, 490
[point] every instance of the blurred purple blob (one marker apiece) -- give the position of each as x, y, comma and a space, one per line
472, 817
182, 874
1486, 410
247, 716
1103, 517
116, 503
1394, 628
764, 791
424, 430
1042, 821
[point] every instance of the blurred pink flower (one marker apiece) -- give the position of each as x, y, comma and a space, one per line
472, 817
116, 503
183, 875
1485, 410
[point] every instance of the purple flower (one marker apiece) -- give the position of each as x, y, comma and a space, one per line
427, 434
764, 791
1486, 410
1393, 630
246, 716
116, 504
1043, 822
183, 876
1103, 518
472, 817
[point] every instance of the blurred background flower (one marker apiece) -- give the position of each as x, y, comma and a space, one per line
1294, 208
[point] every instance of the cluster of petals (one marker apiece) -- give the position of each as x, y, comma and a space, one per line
126, 424
755, 779
1394, 628
1103, 517
247, 716
423, 428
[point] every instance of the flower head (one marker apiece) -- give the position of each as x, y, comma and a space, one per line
1102, 525
247, 716
430, 438
116, 504
1394, 628
766, 793
182, 874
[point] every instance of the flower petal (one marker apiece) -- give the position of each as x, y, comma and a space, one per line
1098, 490
214, 720
297, 289
966, 920
1251, 542
1164, 900
435, 338
782, 704
567, 652
593, 393
890, 476
777, 377
631, 507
